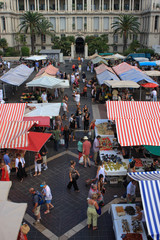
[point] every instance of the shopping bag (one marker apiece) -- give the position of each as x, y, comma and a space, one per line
81, 160
61, 142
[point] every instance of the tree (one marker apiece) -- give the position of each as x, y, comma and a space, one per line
97, 43
63, 43
126, 25
31, 23
3, 44
44, 29
25, 51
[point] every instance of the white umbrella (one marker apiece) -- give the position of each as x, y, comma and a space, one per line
36, 58
11, 215
43, 109
153, 73
121, 84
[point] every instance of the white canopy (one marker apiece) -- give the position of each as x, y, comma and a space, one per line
121, 84
119, 56
158, 62
16, 76
43, 109
4, 190
153, 73
36, 58
11, 215
141, 59
47, 81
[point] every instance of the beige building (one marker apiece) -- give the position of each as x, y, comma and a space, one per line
81, 18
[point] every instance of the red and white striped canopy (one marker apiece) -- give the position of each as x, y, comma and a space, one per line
14, 134
136, 132
132, 110
12, 111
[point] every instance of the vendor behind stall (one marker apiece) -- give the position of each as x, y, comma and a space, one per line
131, 192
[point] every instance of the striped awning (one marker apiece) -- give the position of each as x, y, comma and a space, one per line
145, 176
150, 194
132, 110
137, 132
12, 111
14, 134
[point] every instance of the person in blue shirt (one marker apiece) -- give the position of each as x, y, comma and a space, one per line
7, 161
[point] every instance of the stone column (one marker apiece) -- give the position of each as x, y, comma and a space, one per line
88, 5
122, 5
48, 5
58, 6
86, 51
35, 5
130, 5
45, 3
38, 5
72, 50
110, 6
102, 5
17, 5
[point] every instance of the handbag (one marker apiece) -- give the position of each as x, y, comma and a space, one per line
25, 228
39, 161
99, 211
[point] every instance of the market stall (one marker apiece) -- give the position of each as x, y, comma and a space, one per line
124, 225
104, 128
50, 69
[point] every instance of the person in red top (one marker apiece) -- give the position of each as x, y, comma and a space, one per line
73, 67
5, 176
86, 151
38, 162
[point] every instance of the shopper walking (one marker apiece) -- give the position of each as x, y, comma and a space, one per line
96, 148
91, 212
5, 175
43, 153
73, 176
86, 151
36, 206
67, 135
38, 161
48, 196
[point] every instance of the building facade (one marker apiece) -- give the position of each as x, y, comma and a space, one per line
81, 18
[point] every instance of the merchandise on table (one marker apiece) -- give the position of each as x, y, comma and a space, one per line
104, 128
132, 236
136, 225
114, 166
106, 144
120, 211
130, 210
138, 162
125, 226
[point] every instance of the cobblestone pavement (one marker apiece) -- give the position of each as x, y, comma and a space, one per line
68, 219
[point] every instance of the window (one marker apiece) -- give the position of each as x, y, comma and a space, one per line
126, 5
79, 23
3, 23
85, 23
73, 23
53, 21
62, 23
156, 22
73, 5
105, 23
63, 35
79, 5
43, 47
115, 38
32, 7
114, 48
44, 38
96, 23
106, 5
134, 37
85, 4
116, 6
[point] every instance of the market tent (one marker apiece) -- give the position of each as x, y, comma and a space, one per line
145, 176
41, 121
157, 62
51, 70
93, 56
121, 84
153, 73
43, 109
4, 190
138, 131
11, 215
36, 58
135, 76
36, 140
47, 81
14, 134
150, 85
106, 76
16, 76
155, 150
141, 59
153, 63
119, 56
150, 194
131, 110
99, 60
102, 68
12, 111
124, 67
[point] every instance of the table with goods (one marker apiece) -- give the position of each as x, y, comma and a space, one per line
125, 227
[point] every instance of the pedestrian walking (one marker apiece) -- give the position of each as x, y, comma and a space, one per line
48, 196
36, 205
20, 167
86, 151
5, 175
72, 126
78, 115
67, 136
91, 212
80, 148
96, 148
7, 161
86, 121
65, 110
56, 137
73, 176
154, 95
38, 161
91, 129
43, 153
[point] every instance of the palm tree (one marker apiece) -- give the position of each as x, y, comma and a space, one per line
44, 29
3, 44
126, 25
31, 23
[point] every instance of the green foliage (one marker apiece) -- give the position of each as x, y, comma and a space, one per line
127, 52
97, 43
1, 53
63, 43
3, 43
20, 38
146, 50
11, 52
126, 26
24, 51
134, 45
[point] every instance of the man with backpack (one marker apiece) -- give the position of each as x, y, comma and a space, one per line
37, 200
